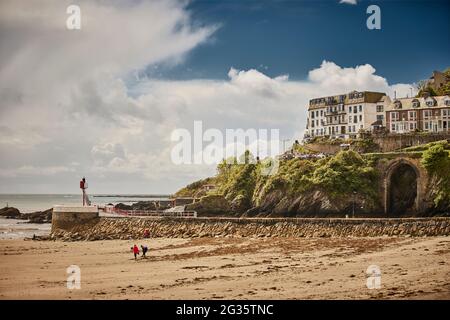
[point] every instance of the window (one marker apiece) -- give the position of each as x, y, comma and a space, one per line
430, 102
355, 119
321, 113
380, 117
426, 114
415, 103
349, 128
360, 108
393, 127
412, 115
394, 116
350, 109
312, 115
317, 113
447, 102
380, 108
360, 117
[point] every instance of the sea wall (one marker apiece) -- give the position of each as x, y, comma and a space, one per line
133, 228
394, 142
385, 143
66, 217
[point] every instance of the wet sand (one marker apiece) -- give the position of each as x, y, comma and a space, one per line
228, 268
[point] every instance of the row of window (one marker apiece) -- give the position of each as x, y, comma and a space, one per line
341, 99
355, 109
316, 114
427, 126
427, 114
339, 108
431, 102
355, 119
355, 95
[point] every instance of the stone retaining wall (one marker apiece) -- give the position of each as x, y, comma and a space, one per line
126, 228
66, 217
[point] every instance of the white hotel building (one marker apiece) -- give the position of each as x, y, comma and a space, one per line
346, 114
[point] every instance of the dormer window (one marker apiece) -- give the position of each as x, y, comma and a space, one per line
397, 104
415, 103
447, 101
430, 102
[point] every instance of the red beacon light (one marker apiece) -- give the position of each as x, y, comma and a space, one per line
83, 184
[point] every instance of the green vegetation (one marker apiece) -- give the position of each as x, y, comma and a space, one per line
338, 176
242, 185
437, 162
344, 173
424, 88
192, 190
365, 145
445, 89
423, 147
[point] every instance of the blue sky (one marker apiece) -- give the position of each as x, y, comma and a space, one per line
293, 37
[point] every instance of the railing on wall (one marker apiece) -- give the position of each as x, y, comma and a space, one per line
154, 213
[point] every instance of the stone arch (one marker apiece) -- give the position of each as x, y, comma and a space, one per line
417, 176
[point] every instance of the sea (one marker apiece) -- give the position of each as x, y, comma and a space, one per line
19, 229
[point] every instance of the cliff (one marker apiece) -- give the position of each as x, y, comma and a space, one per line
333, 186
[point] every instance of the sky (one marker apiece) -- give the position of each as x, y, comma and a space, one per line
103, 101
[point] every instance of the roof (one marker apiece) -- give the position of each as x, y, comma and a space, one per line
407, 103
377, 123
348, 98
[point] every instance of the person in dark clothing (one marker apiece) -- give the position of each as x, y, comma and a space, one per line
144, 251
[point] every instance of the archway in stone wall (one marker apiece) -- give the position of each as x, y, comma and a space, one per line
402, 189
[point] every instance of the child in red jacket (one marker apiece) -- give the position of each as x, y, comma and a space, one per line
135, 251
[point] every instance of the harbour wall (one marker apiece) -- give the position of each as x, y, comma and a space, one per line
104, 228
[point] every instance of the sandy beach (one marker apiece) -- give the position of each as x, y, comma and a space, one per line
228, 268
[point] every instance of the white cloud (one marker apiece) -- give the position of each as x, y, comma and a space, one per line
349, 1
30, 170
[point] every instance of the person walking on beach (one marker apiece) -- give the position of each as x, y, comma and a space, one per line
144, 251
135, 251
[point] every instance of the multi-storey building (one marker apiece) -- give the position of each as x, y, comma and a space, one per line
345, 115
429, 114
